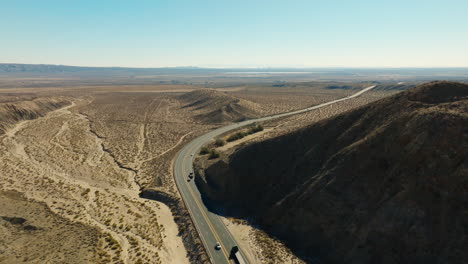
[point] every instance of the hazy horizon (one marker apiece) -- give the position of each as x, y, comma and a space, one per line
247, 68
244, 34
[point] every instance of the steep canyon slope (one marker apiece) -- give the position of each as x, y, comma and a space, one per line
385, 183
13, 112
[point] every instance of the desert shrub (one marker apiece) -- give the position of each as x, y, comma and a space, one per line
255, 129
241, 134
204, 151
214, 154
219, 142
236, 136
85, 192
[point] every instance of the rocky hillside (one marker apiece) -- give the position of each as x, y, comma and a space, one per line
386, 183
217, 107
12, 113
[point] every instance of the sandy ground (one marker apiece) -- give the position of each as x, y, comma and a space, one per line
143, 132
31, 233
57, 160
243, 235
258, 246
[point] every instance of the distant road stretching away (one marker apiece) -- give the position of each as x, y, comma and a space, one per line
209, 225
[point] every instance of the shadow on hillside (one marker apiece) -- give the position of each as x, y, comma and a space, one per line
229, 211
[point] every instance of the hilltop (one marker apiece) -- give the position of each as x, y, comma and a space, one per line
218, 107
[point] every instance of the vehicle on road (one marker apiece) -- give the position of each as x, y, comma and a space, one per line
236, 255
217, 246
200, 215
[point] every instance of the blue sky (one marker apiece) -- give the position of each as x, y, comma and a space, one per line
332, 33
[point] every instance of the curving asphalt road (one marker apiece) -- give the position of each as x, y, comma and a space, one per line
209, 225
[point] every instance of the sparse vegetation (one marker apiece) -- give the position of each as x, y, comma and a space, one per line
204, 151
236, 136
220, 142
214, 154
255, 129
241, 134
113, 141
85, 192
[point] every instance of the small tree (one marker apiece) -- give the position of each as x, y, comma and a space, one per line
204, 151
219, 142
214, 154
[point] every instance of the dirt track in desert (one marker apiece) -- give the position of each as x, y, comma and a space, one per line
56, 159
85, 164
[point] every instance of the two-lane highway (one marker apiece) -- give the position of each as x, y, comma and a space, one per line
209, 225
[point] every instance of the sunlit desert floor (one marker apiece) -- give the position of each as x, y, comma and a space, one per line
70, 180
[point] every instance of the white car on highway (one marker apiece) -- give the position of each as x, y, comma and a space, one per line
217, 246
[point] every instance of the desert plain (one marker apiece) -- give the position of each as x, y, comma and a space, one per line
75, 158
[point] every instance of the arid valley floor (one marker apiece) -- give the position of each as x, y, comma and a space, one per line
74, 160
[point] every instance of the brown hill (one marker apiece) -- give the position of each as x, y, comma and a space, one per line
386, 183
217, 107
14, 112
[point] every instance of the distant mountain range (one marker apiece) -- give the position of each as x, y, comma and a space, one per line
270, 74
16, 67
